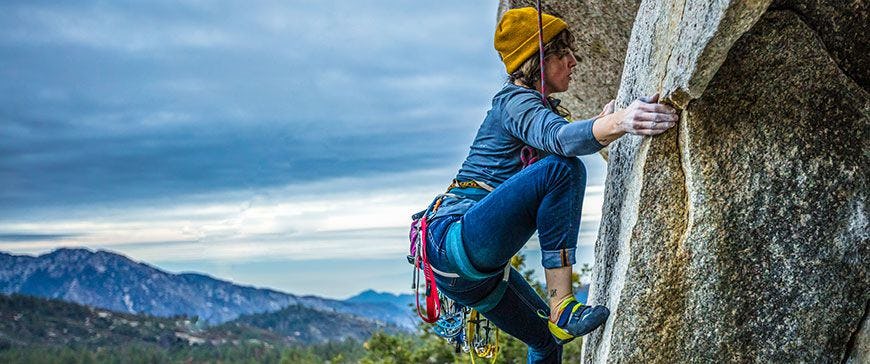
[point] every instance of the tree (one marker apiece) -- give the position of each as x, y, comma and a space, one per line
383, 348
426, 347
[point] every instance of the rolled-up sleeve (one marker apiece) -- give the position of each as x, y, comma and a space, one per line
527, 119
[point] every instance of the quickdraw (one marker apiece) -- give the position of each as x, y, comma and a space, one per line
450, 326
467, 331
483, 336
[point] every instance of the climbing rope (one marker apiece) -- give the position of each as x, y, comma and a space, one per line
541, 52
528, 154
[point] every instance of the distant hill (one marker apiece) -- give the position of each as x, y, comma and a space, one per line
298, 323
27, 321
371, 296
387, 301
114, 282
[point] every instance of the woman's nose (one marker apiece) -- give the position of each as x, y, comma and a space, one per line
572, 61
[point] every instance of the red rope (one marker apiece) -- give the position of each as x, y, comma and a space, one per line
541, 52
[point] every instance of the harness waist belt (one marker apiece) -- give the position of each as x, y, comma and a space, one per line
470, 184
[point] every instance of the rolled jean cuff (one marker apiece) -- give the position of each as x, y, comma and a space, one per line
558, 258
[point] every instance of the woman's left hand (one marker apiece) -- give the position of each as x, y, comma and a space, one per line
646, 116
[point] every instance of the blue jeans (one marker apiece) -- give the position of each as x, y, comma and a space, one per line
546, 196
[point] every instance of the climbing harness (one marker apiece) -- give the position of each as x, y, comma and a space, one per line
461, 326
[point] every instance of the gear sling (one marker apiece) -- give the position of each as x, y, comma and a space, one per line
455, 317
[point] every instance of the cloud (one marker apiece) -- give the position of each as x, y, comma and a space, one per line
164, 99
33, 237
104, 26
345, 218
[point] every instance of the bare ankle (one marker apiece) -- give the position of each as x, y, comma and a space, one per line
554, 306
558, 288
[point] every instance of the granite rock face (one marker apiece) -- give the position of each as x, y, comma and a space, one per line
842, 26
742, 234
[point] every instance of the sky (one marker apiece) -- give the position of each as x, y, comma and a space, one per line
272, 143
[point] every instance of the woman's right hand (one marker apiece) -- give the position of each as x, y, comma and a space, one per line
645, 116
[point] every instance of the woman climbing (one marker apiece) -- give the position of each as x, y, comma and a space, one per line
494, 205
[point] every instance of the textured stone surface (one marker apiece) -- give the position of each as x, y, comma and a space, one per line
842, 25
741, 235
861, 343
676, 46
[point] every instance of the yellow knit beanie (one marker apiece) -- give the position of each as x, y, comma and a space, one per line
516, 36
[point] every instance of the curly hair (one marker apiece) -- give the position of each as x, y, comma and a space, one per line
530, 71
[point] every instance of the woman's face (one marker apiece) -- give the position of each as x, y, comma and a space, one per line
558, 72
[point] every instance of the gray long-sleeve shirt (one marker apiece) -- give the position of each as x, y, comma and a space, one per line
518, 118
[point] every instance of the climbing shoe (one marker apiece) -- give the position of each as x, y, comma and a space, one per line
576, 319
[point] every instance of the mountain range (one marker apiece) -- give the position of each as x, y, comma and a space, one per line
114, 282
